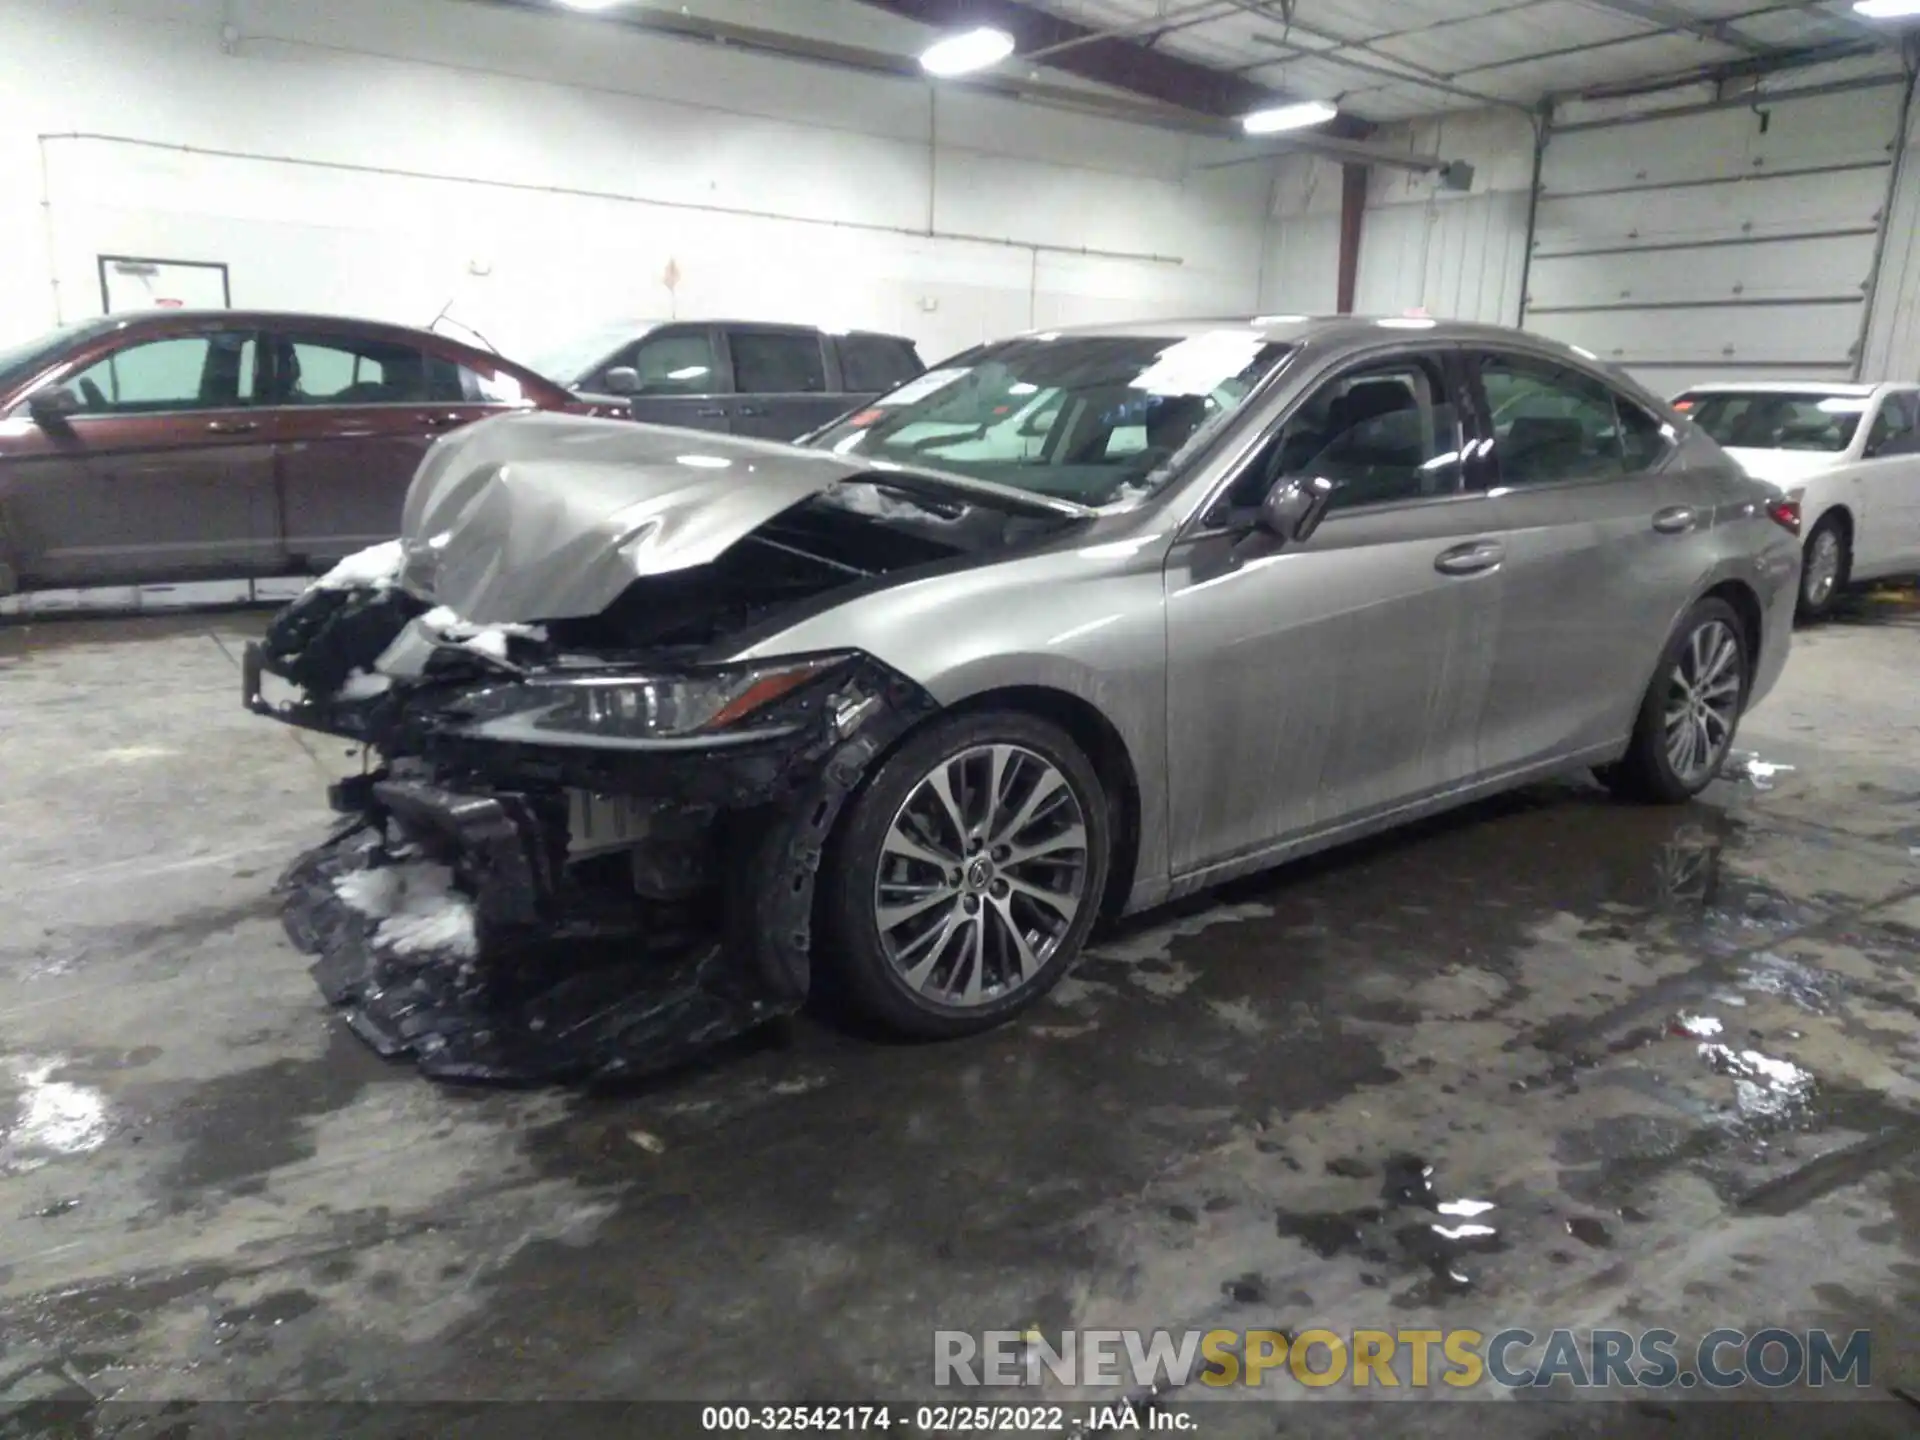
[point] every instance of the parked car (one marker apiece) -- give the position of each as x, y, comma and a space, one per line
923, 698
1849, 453
736, 377
219, 444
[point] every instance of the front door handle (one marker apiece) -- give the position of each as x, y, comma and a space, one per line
233, 427
440, 422
714, 412
1675, 520
1474, 558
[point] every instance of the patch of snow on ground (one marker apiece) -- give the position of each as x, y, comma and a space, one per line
375, 568
417, 906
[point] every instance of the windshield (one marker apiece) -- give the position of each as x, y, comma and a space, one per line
1775, 420
1088, 418
18, 362
570, 363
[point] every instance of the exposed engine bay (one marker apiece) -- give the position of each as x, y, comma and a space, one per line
584, 843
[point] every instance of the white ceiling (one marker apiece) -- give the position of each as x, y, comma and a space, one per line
1393, 59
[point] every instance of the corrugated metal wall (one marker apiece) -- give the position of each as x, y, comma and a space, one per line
1461, 258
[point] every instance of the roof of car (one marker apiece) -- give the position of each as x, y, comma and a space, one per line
1297, 328
1789, 387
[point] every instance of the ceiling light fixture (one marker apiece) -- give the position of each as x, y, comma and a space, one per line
1887, 9
1294, 117
969, 51
589, 4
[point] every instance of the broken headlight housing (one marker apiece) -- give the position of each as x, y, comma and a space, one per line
619, 709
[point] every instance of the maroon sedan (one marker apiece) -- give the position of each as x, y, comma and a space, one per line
225, 444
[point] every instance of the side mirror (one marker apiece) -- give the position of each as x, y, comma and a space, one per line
53, 405
1293, 509
622, 380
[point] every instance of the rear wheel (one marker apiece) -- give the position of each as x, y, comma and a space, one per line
1690, 711
967, 874
1823, 571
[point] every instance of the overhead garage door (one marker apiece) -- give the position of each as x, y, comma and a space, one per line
1719, 242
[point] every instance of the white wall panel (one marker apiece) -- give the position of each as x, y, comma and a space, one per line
540, 171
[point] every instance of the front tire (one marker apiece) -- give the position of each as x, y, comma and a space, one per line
967, 874
1690, 712
1825, 561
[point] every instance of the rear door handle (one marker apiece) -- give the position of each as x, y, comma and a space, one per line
233, 427
1473, 558
1675, 520
714, 412
751, 410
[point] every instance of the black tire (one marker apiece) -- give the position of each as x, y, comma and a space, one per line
1813, 604
855, 953
1647, 772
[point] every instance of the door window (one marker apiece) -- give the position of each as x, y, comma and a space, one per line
1385, 433
777, 362
185, 372
1551, 424
345, 370
1894, 428
681, 363
874, 364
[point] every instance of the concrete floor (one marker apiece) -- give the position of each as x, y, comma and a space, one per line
208, 1189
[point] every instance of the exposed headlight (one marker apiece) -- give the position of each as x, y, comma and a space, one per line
615, 710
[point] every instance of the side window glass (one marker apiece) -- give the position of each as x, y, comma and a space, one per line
490, 387
1643, 437
681, 364
1550, 424
335, 370
186, 372
777, 362
1385, 433
1893, 427
873, 364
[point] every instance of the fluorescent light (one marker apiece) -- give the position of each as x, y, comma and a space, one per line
1886, 9
1405, 322
589, 4
1294, 117
966, 52
705, 462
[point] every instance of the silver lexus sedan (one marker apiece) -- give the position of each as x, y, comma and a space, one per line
668, 729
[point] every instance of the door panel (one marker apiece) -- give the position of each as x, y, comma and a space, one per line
164, 472
688, 412
1601, 554
352, 417
1327, 681
107, 499
1342, 675
780, 381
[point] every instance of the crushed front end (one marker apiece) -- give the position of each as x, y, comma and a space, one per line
565, 857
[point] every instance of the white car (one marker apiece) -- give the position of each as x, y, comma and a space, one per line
1850, 454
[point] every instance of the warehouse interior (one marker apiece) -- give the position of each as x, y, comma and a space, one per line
1671, 1054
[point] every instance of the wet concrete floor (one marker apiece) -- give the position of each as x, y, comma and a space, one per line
1677, 1052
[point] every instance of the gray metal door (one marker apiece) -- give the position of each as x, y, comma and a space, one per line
1727, 241
1342, 676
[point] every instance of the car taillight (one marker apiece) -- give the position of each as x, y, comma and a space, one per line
1785, 514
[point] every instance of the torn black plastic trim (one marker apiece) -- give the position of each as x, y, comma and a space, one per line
559, 984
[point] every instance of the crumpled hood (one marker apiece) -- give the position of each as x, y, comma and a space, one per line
550, 517
1784, 467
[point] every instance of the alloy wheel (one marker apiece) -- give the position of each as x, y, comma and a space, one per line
1703, 702
1822, 568
982, 874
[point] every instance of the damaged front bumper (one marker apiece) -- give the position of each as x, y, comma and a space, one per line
501, 908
